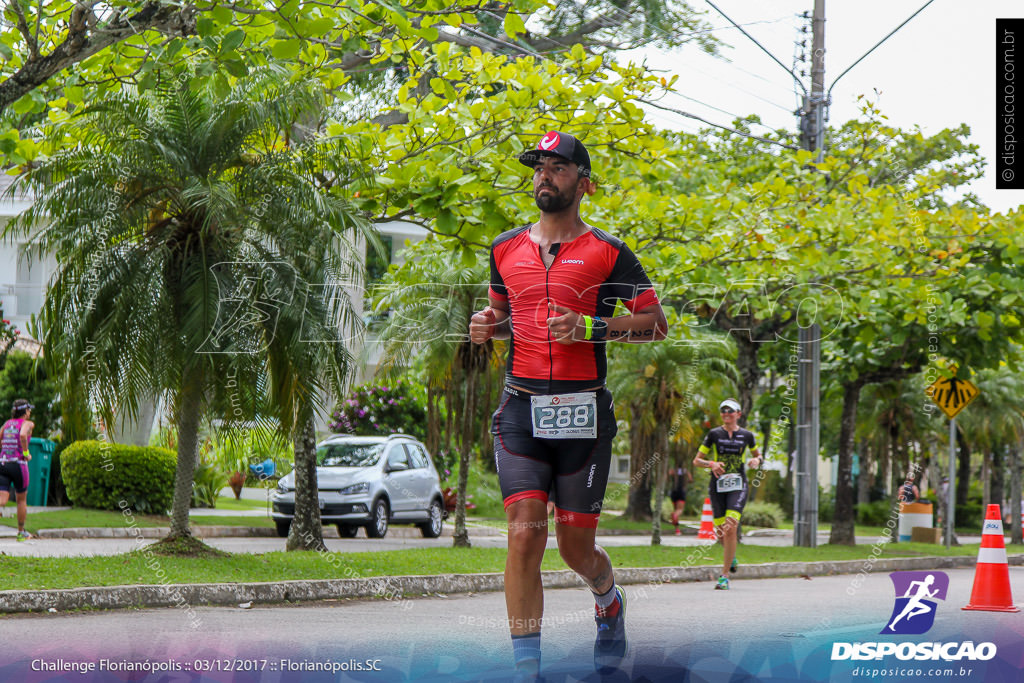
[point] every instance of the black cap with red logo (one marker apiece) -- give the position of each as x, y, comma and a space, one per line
558, 144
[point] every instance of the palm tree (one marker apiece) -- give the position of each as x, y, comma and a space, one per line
431, 299
660, 383
183, 226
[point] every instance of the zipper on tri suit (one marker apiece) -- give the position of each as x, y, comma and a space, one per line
547, 293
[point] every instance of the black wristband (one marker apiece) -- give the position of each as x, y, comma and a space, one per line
599, 329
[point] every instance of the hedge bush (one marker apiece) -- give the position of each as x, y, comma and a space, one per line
877, 513
100, 475
768, 515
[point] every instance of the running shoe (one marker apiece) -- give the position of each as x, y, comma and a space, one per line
734, 566
24, 536
610, 647
723, 584
678, 532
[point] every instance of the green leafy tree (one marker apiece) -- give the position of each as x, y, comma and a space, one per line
25, 377
57, 56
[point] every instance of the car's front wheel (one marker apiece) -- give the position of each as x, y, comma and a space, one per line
378, 526
283, 525
347, 530
432, 528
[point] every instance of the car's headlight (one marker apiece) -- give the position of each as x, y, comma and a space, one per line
355, 488
281, 488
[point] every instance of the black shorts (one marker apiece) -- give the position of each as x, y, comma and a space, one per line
729, 504
678, 496
14, 472
575, 469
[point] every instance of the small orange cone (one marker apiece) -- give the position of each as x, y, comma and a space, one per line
707, 525
991, 592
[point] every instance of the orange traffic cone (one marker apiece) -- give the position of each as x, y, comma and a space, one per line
991, 592
707, 526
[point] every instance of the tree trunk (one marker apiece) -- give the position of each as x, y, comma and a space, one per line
638, 505
306, 532
986, 480
460, 538
749, 369
188, 409
1015, 485
843, 523
963, 474
864, 473
998, 476
661, 465
433, 441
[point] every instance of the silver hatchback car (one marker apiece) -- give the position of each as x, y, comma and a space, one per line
369, 482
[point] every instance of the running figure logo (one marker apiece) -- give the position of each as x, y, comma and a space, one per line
914, 611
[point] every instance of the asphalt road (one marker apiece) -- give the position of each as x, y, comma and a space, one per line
761, 629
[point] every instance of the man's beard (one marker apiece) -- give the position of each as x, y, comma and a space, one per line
554, 202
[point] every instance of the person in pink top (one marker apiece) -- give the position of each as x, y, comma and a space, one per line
14, 457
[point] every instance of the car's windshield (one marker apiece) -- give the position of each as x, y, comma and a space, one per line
348, 454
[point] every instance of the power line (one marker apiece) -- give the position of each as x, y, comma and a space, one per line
889, 35
763, 48
716, 125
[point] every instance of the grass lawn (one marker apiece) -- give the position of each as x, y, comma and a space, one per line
83, 517
132, 568
229, 503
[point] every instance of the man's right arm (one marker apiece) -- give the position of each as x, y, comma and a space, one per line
491, 323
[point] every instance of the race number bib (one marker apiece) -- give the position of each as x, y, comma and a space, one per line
729, 482
565, 416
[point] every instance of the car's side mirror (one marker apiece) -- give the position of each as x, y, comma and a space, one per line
396, 467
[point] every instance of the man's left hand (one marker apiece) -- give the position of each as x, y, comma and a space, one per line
567, 326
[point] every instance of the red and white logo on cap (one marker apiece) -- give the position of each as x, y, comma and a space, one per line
549, 141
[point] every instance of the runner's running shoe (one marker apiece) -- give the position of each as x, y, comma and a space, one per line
723, 584
24, 536
611, 646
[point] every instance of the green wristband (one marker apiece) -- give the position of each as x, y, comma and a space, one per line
588, 323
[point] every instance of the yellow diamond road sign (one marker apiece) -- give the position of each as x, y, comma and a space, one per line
951, 394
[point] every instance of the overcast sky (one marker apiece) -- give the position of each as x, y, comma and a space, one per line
937, 72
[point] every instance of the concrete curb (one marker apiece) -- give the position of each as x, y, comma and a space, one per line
406, 587
155, 532
232, 532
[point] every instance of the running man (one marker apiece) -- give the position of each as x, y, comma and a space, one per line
554, 286
728, 486
914, 606
14, 457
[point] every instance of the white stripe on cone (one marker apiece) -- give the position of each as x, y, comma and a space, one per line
993, 527
992, 556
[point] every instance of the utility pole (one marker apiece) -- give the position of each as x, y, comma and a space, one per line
805, 486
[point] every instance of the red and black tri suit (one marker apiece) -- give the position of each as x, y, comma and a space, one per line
589, 275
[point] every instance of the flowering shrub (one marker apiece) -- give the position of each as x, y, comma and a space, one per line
372, 410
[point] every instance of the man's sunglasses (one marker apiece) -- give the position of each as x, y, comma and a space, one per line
727, 411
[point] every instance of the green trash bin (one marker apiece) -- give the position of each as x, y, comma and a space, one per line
39, 470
